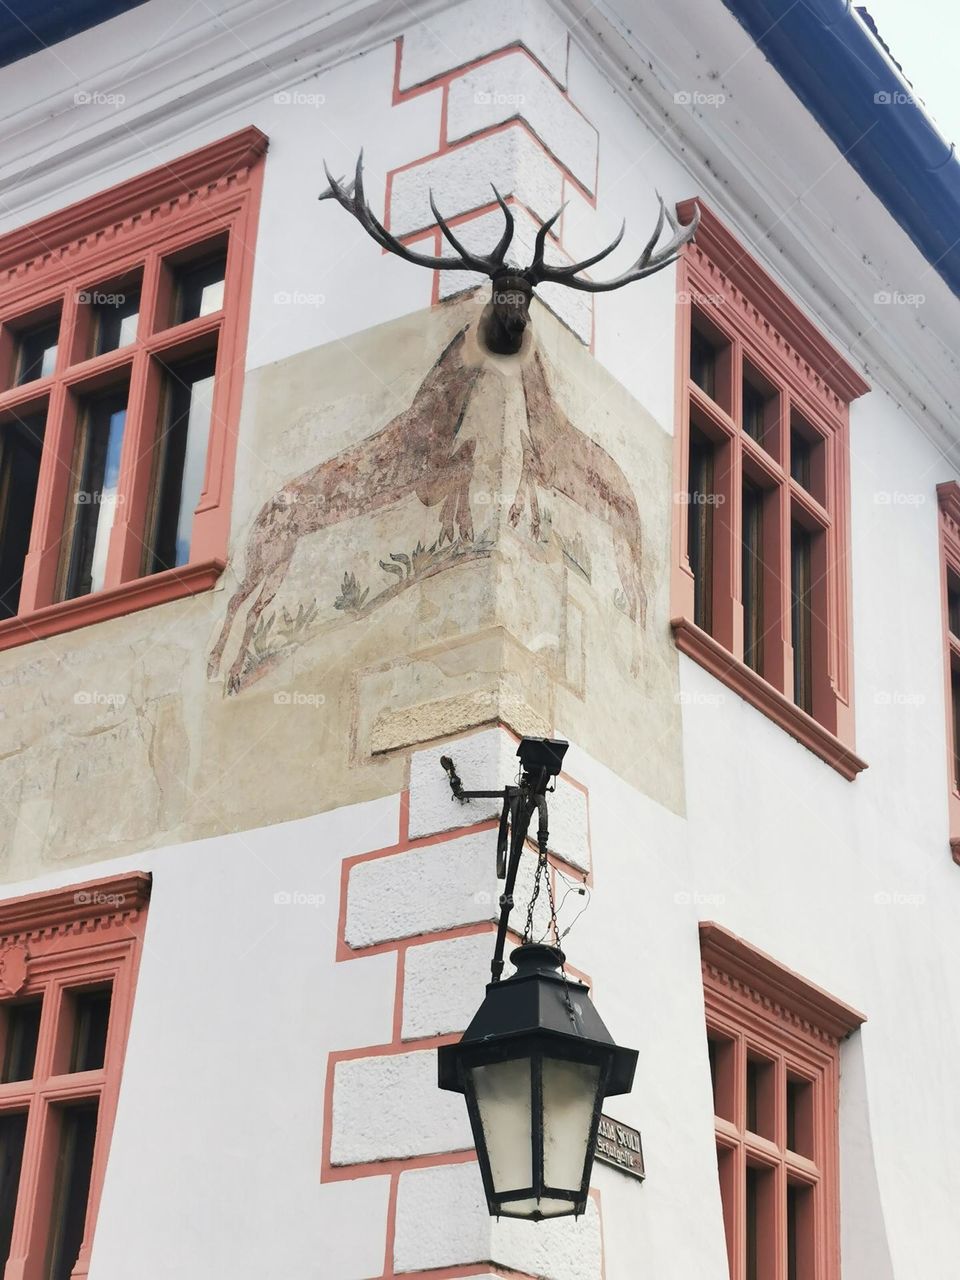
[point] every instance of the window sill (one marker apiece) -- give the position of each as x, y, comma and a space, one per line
736, 675
130, 597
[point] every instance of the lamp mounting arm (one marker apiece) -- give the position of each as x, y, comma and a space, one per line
540, 762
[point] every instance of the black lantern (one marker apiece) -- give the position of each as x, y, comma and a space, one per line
536, 1062
534, 1066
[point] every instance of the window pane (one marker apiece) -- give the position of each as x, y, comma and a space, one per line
116, 313
199, 287
13, 1128
800, 1124
703, 362
700, 526
102, 422
752, 575
37, 352
801, 1253
761, 1096
21, 443
181, 461
91, 1014
953, 603
723, 1074
761, 1224
955, 697
78, 1131
21, 1032
801, 618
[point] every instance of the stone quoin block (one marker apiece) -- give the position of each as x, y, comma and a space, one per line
569, 825
513, 86
485, 761
462, 34
422, 890
444, 984
389, 1108
481, 233
461, 178
442, 1221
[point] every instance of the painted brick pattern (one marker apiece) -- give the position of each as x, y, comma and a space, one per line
466, 33
515, 87
442, 1222
389, 1107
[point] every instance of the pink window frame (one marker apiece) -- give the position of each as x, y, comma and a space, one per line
51, 942
765, 1009
134, 225
948, 499
718, 278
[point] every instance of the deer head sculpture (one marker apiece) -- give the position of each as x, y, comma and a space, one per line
513, 286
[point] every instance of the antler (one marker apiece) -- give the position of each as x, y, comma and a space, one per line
540, 273
351, 196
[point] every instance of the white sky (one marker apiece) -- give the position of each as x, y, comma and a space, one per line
924, 37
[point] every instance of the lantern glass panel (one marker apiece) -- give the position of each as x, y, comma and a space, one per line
503, 1094
569, 1102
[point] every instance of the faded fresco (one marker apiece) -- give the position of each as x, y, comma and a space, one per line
427, 538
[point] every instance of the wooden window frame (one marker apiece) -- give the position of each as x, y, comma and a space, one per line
761, 326
761, 1008
77, 936
948, 499
131, 228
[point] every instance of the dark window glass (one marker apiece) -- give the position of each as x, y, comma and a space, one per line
761, 1096
91, 1019
199, 287
801, 1257
98, 467
752, 574
754, 407
722, 1076
955, 688
37, 352
22, 1031
953, 603
181, 461
20, 447
116, 313
13, 1129
801, 617
700, 526
801, 452
703, 362
78, 1131
800, 1123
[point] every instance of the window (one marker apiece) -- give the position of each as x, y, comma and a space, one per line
122, 331
761, 575
948, 496
774, 1050
68, 964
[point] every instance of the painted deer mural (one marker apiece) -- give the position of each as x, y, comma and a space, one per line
416, 452
559, 456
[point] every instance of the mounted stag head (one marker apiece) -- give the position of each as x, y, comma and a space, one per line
513, 286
